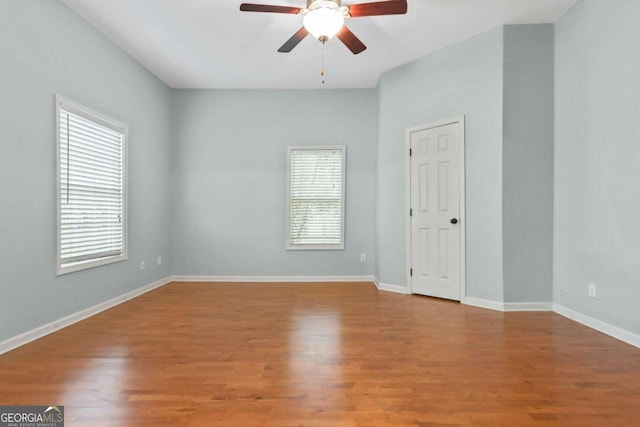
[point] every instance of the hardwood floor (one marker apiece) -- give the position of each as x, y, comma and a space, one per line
199, 354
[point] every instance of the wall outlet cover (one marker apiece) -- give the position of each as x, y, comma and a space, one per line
592, 290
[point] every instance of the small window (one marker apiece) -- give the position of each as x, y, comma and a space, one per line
91, 188
316, 197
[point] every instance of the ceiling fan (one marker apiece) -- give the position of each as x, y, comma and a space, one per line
325, 19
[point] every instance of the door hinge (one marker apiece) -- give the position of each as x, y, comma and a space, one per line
410, 212
411, 272
410, 152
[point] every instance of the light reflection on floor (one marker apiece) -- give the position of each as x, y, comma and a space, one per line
99, 383
315, 359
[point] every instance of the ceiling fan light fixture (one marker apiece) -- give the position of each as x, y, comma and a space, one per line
324, 22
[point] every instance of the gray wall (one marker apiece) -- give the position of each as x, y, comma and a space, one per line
527, 163
465, 79
597, 161
47, 49
230, 171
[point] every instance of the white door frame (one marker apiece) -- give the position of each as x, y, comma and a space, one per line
462, 219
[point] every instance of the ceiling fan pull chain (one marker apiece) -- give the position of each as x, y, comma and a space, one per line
322, 68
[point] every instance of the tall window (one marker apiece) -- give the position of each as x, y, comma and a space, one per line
91, 188
316, 197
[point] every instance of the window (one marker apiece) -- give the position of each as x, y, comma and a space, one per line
91, 188
316, 197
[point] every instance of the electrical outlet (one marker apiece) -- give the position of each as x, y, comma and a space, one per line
363, 257
592, 290
141, 267
159, 260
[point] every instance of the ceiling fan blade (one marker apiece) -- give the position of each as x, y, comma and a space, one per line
250, 7
391, 7
294, 40
350, 40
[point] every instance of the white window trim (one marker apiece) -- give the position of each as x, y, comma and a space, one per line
327, 247
112, 123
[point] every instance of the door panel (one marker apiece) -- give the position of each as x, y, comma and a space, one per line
435, 200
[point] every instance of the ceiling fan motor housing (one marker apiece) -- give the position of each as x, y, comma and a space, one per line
314, 4
333, 5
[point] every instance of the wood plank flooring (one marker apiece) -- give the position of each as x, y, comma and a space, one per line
202, 354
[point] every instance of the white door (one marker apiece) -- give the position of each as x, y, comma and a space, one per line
436, 168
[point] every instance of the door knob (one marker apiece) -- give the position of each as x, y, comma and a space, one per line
454, 220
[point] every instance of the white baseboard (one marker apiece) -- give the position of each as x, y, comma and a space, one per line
507, 306
392, 288
39, 332
484, 303
600, 326
271, 279
527, 306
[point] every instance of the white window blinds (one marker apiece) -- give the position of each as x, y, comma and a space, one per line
91, 193
316, 197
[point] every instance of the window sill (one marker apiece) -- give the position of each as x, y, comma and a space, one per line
315, 247
85, 265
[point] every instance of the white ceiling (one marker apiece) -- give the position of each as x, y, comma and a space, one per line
211, 44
